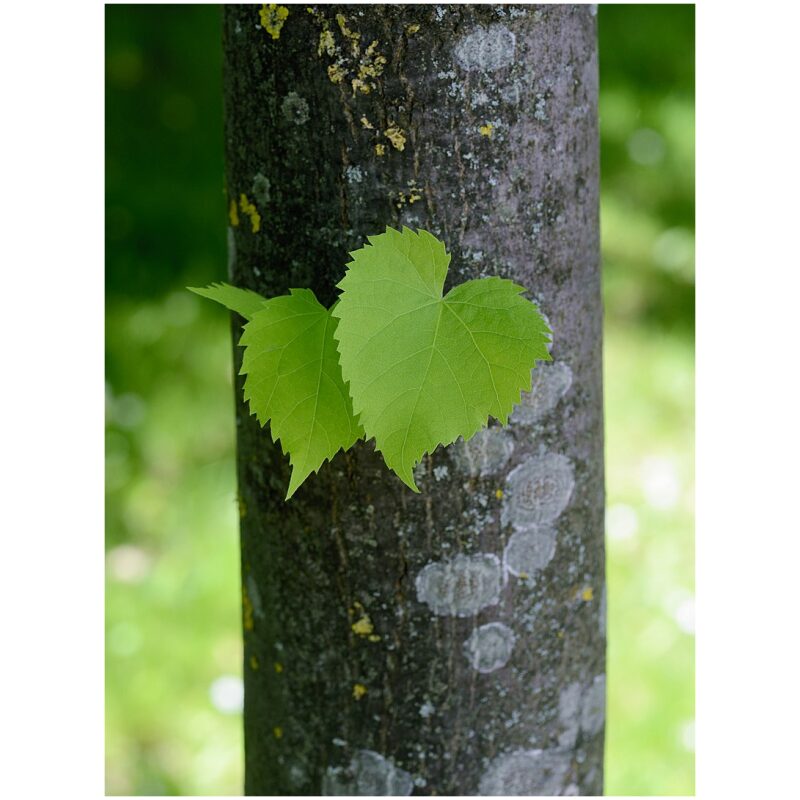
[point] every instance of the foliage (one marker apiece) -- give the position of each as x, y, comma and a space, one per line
422, 369
293, 375
244, 302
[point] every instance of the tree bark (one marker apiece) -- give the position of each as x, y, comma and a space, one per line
451, 642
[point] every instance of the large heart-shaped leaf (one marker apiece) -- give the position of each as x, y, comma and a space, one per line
424, 368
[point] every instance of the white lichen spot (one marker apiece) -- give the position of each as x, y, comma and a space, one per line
489, 647
255, 596
461, 587
593, 708
569, 711
354, 174
486, 453
512, 94
540, 108
537, 491
581, 709
297, 776
427, 709
527, 772
593, 9
295, 109
486, 49
368, 773
549, 342
529, 551
513, 720
573, 790
261, 189
440, 472
549, 383
231, 251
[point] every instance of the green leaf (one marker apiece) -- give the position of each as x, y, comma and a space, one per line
425, 369
242, 301
294, 381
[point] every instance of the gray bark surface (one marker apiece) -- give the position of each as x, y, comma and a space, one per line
451, 642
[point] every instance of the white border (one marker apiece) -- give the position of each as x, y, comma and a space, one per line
747, 431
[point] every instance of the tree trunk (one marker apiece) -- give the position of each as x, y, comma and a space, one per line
451, 642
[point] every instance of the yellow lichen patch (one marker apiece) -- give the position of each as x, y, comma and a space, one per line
372, 63
253, 663
370, 66
278, 667
354, 36
587, 594
326, 43
370, 53
365, 123
239, 499
233, 214
277, 732
248, 622
396, 136
272, 18
560, 634
359, 690
523, 576
359, 69
336, 73
380, 149
363, 625
412, 28
248, 208
499, 494
374, 637
486, 130
410, 197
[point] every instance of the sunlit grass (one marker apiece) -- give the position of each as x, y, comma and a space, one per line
172, 602
649, 396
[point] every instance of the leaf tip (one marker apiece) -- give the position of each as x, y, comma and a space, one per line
408, 480
295, 483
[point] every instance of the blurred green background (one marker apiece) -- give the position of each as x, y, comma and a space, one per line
173, 687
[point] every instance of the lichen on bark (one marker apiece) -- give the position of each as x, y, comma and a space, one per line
479, 124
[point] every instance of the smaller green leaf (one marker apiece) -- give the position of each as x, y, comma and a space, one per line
294, 381
243, 301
